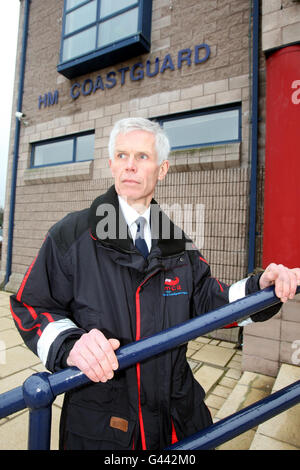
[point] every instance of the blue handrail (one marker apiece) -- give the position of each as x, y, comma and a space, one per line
39, 390
140, 350
242, 421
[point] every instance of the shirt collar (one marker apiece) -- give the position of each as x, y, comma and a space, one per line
167, 246
130, 214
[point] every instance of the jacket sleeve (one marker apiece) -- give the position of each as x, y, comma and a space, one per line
210, 293
41, 307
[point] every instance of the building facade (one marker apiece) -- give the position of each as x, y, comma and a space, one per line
202, 70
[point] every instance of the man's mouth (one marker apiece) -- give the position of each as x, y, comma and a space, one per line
130, 181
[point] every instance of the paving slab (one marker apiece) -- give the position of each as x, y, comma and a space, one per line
10, 337
15, 380
228, 382
226, 344
261, 442
4, 298
285, 426
194, 345
287, 375
14, 432
260, 381
194, 365
234, 374
240, 397
250, 388
6, 323
214, 401
208, 376
202, 339
241, 442
222, 391
4, 311
214, 355
17, 358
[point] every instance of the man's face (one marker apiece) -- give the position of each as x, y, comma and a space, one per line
135, 168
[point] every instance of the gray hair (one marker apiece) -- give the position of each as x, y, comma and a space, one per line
124, 126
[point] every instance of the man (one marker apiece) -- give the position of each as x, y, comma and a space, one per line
101, 280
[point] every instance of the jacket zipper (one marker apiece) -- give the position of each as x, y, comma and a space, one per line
138, 367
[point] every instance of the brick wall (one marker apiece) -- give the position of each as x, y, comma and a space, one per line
280, 23
217, 178
268, 345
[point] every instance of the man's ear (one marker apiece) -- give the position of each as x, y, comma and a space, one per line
110, 163
163, 169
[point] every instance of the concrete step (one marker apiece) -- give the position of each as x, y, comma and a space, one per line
250, 388
281, 432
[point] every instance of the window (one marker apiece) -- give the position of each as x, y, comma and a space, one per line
98, 33
76, 148
205, 128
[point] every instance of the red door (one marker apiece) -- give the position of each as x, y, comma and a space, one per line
281, 242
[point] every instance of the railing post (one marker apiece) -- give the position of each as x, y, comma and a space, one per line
39, 397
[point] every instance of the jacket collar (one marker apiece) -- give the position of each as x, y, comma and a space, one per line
107, 225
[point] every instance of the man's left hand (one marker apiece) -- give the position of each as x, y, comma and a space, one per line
285, 280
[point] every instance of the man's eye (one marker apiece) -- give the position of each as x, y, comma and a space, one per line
121, 155
143, 157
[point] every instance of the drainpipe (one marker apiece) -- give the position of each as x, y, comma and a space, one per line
254, 135
16, 145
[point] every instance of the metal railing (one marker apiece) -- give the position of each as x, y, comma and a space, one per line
39, 390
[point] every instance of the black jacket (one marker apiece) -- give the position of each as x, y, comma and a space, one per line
79, 282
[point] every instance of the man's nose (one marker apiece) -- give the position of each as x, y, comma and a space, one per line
131, 163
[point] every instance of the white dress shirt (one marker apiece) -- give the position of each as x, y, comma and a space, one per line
131, 215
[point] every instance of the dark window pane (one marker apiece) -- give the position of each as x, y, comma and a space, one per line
85, 147
73, 3
79, 44
204, 129
55, 152
108, 7
118, 27
81, 17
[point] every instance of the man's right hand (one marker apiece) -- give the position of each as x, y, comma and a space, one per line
94, 355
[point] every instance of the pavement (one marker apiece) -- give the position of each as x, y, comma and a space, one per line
216, 364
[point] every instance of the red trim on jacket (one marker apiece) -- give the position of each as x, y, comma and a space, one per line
20, 291
174, 435
92, 236
220, 285
30, 309
231, 325
48, 316
138, 367
19, 322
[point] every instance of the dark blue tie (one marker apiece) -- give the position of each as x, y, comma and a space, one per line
140, 243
